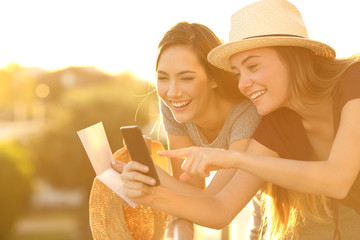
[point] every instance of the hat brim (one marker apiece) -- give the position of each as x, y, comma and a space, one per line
110, 216
107, 222
220, 56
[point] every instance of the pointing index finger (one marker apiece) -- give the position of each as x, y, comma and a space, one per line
178, 153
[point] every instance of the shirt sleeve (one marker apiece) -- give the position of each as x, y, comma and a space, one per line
170, 124
247, 120
349, 85
347, 88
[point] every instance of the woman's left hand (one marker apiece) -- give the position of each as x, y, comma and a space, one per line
137, 186
200, 161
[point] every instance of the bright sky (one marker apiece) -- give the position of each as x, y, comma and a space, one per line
119, 35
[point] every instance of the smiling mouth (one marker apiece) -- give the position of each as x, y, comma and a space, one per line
257, 94
180, 104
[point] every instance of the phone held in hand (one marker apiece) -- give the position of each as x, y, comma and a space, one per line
138, 150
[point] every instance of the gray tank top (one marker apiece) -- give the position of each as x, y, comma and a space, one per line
240, 123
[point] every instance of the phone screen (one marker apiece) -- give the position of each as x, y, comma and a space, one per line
138, 150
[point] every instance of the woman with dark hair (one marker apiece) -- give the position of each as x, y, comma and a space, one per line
200, 106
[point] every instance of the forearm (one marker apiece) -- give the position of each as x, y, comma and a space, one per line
214, 211
315, 177
206, 211
171, 183
333, 176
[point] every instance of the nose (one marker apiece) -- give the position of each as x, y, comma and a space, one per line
173, 89
245, 82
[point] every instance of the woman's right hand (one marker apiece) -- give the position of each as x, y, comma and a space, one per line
136, 185
200, 160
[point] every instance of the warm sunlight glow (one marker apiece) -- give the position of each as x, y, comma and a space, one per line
65, 64
42, 90
116, 36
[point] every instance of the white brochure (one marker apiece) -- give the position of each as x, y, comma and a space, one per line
98, 150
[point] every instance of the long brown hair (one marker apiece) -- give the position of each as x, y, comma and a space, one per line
201, 40
311, 77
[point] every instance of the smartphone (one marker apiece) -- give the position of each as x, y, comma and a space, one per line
138, 150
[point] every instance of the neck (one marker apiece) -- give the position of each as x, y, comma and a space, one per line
318, 111
318, 123
213, 120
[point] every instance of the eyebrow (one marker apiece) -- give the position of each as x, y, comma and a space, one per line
248, 58
180, 73
245, 60
161, 72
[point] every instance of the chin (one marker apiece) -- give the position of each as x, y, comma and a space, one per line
180, 119
263, 111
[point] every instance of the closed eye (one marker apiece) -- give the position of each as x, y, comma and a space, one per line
252, 67
162, 75
161, 78
187, 78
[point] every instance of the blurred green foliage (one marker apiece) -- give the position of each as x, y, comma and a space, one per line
59, 155
15, 184
78, 98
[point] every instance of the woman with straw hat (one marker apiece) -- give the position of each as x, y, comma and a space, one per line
306, 147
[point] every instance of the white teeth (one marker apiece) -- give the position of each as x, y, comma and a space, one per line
180, 104
257, 94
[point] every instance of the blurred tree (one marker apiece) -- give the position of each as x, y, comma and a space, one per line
17, 91
59, 155
7, 91
15, 184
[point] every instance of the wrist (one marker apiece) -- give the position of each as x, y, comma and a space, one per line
237, 157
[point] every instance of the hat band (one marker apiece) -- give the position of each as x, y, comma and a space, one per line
274, 35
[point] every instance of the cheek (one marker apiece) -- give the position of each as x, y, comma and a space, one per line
191, 89
283, 88
197, 90
283, 79
203, 87
161, 88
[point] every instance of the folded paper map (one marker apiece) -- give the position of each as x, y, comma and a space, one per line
98, 150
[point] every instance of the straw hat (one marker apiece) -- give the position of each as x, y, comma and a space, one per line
263, 24
111, 218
